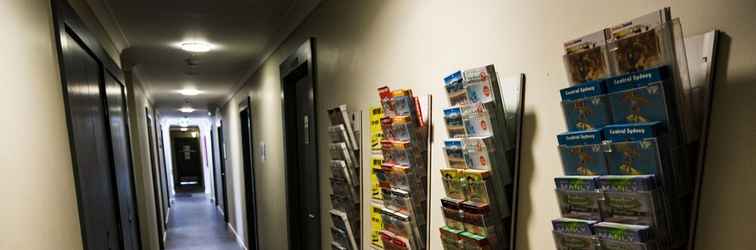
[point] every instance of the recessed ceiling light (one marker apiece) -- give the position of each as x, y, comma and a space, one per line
186, 109
197, 47
189, 92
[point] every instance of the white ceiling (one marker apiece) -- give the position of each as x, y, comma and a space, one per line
244, 32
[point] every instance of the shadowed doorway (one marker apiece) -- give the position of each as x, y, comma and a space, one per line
187, 158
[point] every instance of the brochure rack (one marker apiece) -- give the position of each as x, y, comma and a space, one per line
637, 126
345, 179
403, 174
376, 198
480, 153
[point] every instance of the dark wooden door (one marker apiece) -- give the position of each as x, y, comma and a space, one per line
88, 134
122, 164
186, 154
302, 172
249, 175
222, 150
95, 104
216, 169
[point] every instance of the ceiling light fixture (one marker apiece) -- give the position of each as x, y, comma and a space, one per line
186, 110
196, 47
190, 92
184, 129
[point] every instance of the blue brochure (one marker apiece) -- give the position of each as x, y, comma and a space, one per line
454, 123
623, 232
587, 137
582, 153
574, 233
634, 149
577, 183
455, 88
639, 97
627, 183
573, 226
586, 106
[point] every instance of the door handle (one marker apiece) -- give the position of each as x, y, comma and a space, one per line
312, 216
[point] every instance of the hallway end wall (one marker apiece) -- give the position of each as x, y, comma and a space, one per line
205, 127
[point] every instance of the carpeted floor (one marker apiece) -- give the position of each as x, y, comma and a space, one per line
195, 224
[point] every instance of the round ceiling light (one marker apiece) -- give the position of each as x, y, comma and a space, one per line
189, 92
197, 47
186, 109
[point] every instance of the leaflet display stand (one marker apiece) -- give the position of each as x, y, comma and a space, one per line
647, 157
480, 174
403, 176
345, 179
374, 212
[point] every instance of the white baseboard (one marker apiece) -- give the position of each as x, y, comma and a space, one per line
220, 210
165, 232
239, 240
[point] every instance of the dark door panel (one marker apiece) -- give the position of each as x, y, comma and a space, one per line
216, 169
121, 153
307, 167
300, 138
249, 175
88, 134
188, 164
98, 135
224, 194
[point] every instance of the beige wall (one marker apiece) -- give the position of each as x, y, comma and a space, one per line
727, 197
270, 232
143, 175
39, 210
362, 45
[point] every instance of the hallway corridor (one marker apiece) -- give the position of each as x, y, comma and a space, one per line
194, 224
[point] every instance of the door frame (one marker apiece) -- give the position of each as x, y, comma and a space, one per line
66, 22
174, 158
127, 126
253, 236
157, 193
212, 147
303, 55
161, 163
129, 158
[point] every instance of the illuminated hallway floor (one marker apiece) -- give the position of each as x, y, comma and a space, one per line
195, 224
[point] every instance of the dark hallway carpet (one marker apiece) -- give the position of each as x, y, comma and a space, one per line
195, 224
